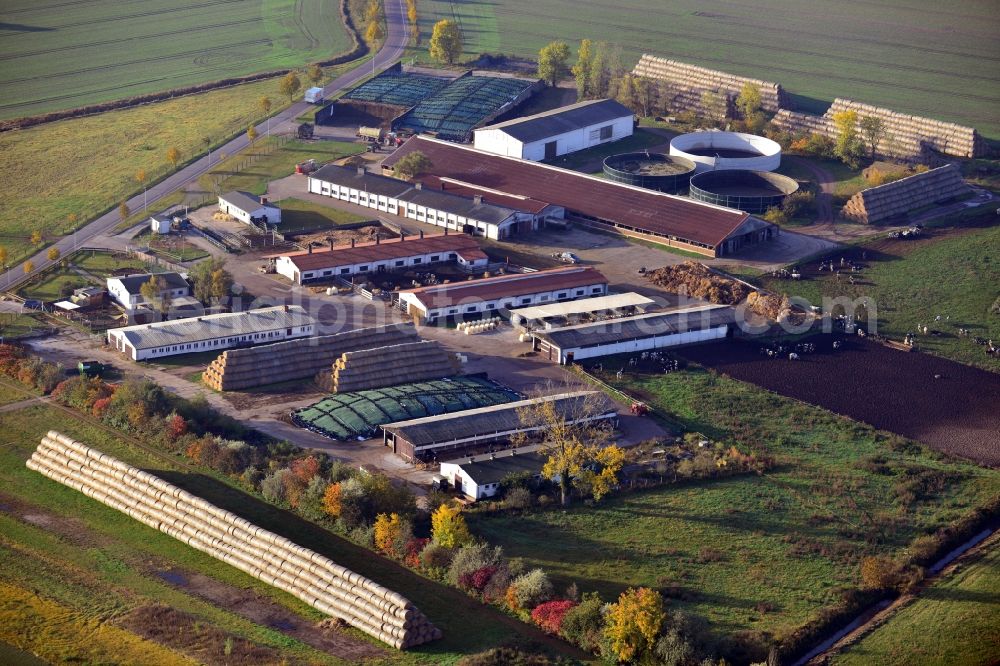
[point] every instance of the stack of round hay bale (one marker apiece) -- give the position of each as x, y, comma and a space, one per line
311, 577
894, 199
698, 78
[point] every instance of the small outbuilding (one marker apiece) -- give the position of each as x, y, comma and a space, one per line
550, 134
249, 209
479, 477
160, 224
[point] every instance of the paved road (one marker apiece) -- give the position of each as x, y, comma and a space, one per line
391, 51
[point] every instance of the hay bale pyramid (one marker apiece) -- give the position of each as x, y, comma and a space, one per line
307, 575
897, 198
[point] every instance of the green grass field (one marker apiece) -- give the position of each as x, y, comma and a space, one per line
749, 553
299, 215
106, 579
956, 277
908, 55
271, 162
60, 55
13, 325
54, 170
952, 623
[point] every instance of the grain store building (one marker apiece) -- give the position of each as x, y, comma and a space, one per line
640, 333
433, 205
550, 134
487, 297
212, 332
382, 256
431, 437
670, 220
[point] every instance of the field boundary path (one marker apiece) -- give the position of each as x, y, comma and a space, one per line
397, 37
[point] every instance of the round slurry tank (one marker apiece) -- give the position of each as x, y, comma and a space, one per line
653, 171
714, 150
750, 191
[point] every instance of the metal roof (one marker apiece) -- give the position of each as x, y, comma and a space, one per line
486, 421
638, 327
503, 286
584, 305
564, 119
462, 244
623, 205
404, 191
210, 327
493, 470
453, 111
133, 283
244, 201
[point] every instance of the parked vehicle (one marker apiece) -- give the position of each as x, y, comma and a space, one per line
566, 257
314, 96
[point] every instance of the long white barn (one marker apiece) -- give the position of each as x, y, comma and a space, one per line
640, 333
212, 332
471, 215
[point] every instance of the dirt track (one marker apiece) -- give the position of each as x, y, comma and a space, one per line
896, 391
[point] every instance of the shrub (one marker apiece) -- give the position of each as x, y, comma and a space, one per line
477, 580
505, 656
518, 498
436, 559
634, 623
878, 573
273, 486
305, 468
331, 500
550, 615
582, 625
311, 501
471, 558
528, 590
412, 551
388, 528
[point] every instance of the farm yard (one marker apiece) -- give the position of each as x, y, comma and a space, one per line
60, 55
952, 623
815, 52
114, 579
752, 555
889, 389
951, 273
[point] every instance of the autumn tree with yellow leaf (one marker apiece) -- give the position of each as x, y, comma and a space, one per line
448, 527
387, 530
634, 623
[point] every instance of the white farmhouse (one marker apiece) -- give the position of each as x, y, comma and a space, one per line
547, 135
125, 289
248, 208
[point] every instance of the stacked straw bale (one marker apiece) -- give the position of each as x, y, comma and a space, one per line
692, 81
906, 136
387, 366
240, 369
910, 135
899, 197
314, 579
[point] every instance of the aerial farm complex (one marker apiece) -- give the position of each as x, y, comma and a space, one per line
379, 333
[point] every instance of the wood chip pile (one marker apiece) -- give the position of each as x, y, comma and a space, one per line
303, 573
698, 281
895, 199
240, 369
690, 81
907, 136
378, 367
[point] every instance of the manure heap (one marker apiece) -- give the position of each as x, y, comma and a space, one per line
897, 198
305, 574
378, 367
240, 369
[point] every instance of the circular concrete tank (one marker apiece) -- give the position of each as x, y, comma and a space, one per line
750, 191
715, 150
653, 171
